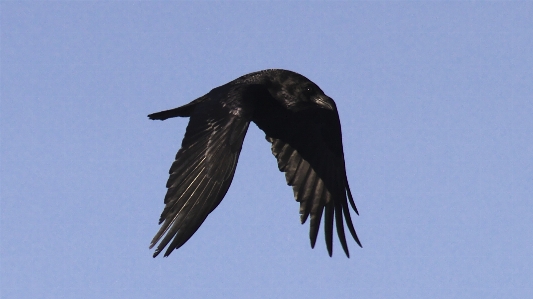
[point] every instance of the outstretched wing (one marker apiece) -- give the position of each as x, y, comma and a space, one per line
202, 172
308, 148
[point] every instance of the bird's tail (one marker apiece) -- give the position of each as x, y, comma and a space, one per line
183, 111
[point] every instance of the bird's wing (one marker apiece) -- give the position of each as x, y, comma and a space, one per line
202, 172
308, 148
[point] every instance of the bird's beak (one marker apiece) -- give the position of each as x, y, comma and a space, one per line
324, 102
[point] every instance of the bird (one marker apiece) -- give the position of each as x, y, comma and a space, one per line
303, 127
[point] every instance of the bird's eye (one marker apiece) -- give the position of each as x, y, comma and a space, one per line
308, 91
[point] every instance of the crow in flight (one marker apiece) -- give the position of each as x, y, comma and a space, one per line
300, 122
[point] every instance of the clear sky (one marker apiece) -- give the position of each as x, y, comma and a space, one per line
436, 105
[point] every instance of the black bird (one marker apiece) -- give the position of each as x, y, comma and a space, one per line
300, 122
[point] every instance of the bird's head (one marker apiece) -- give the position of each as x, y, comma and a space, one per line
311, 96
297, 93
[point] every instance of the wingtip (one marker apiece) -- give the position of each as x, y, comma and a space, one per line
303, 218
157, 250
358, 242
173, 246
350, 197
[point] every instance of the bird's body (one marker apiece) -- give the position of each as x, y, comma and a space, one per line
303, 126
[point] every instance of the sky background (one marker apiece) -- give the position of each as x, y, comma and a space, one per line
436, 106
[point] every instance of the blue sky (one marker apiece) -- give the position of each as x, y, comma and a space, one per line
436, 105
